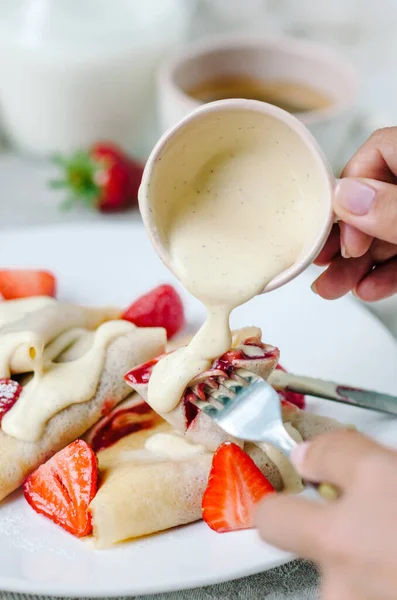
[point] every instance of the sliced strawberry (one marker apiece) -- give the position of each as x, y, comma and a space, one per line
292, 397
22, 283
10, 391
161, 307
230, 358
128, 418
141, 374
235, 486
190, 409
64, 486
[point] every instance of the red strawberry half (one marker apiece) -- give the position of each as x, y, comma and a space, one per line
64, 486
22, 283
231, 359
292, 397
161, 307
235, 486
140, 375
10, 391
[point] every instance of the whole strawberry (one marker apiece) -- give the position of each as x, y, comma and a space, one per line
161, 307
103, 177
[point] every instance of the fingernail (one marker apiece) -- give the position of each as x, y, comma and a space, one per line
299, 453
343, 251
354, 196
314, 287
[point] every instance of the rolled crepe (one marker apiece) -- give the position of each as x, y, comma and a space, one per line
19, 458
142, 493
309, 425
23, 339
137, 499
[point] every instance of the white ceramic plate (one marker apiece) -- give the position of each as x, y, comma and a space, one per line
113, 264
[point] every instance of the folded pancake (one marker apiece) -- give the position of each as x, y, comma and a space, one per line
151, 479
137, 499
65, 398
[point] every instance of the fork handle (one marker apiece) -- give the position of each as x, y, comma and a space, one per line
326, 490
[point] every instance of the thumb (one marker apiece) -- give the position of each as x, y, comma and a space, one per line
369, 206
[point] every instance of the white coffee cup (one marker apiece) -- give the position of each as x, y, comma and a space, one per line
179, 155
277, 59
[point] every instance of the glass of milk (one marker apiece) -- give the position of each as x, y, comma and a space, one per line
76, 71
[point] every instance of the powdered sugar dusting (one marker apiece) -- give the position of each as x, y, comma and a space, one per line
29, 532
8, 388
10, 391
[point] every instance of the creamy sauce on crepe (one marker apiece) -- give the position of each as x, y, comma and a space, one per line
53, 342
67, 345
172, 446
12, 310
55, 386
58, 385
23, 340
159, 447
20, 352
238, 222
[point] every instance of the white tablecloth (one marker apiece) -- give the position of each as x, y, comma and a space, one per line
296, 581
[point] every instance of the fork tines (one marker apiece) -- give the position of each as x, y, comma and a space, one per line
224, 393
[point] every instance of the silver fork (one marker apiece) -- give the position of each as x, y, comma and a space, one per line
248, 408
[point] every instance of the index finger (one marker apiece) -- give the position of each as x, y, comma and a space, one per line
376, 158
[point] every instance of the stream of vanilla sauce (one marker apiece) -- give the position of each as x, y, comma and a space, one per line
231, 231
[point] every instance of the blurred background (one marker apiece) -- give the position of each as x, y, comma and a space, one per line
77, 72
78, 76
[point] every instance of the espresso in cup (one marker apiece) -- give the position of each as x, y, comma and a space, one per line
289, 95
311, 82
